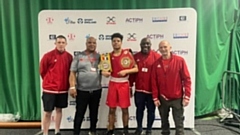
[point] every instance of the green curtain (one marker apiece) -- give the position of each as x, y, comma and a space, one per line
19, 56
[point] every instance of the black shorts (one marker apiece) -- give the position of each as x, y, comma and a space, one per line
54, 100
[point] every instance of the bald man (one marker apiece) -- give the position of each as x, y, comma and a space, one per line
85, 85
171, 87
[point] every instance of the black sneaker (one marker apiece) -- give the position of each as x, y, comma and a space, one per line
138, 132
92, 133
148, 133
125, 132
110, 132
58, 133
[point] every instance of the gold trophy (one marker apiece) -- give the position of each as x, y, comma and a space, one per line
105, 62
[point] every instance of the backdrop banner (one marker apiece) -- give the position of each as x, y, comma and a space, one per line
178, 26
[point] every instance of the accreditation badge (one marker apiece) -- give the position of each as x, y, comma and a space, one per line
105, 62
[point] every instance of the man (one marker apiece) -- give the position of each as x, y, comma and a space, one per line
123, 64
143, 92
54, 70
171, 86
85, 85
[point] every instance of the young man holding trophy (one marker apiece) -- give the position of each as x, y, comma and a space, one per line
121, 64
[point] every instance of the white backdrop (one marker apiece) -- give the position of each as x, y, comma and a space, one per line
175, 25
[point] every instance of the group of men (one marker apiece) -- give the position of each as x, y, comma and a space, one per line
161, 81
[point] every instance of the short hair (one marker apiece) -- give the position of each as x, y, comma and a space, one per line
61, 36
117, 35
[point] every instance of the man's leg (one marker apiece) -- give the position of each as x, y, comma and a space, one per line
93, 109
48, 105
177, 112
112, 103
125, 118
139, 99
46, 122
150, 112
61, 101
58, 119
82, 101
164, 113
123, 93
111, 119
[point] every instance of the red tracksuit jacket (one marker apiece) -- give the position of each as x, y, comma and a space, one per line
54, 70
142, 78
173, 83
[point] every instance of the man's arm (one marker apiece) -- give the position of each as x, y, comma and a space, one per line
72, 82
43, 66
132, 78
72, 77
186, 80
154, 86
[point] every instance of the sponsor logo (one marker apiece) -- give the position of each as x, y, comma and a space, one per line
86, 118
134, 20
70, 119
111, 20
101, 37
180, 52
69, 21
155, 36
71, 36
52, 37
72, 103
49, 20
87, 36
159, 19
132, 118
180, 35
182, 18
75, 53
131, 37
104, 37
86, 21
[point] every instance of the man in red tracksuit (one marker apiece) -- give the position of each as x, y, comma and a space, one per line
171, 87
143, 92
54, 70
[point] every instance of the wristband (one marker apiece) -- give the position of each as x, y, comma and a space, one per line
72, 88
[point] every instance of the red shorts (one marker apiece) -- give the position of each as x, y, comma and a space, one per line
118, 94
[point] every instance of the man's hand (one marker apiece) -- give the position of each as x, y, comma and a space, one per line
185, 102
106, 74
122, 73
157, 103
131, 92
73, 93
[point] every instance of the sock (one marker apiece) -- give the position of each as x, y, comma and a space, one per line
56, 131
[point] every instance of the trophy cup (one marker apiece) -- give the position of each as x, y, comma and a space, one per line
105, 62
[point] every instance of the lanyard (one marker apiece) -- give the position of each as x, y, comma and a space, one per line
91, 59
